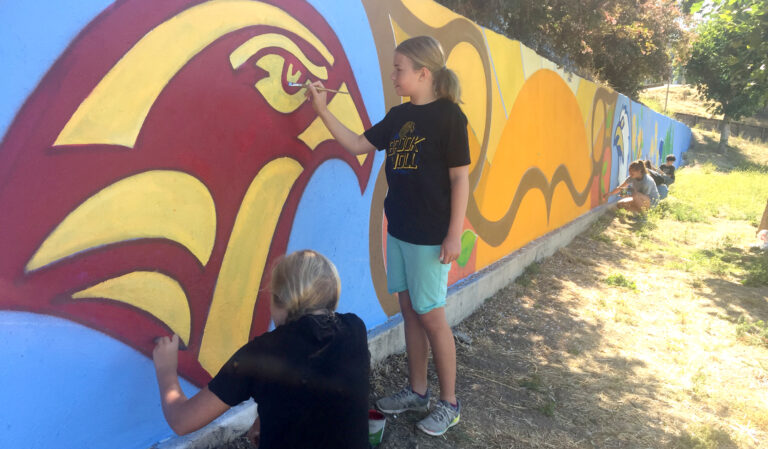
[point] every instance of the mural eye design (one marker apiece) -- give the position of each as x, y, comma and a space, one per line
284, 63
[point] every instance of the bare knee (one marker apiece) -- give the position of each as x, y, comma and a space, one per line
434, 321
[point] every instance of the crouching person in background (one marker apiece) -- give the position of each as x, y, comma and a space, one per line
309, 376
644, 192
669, 169
659, 178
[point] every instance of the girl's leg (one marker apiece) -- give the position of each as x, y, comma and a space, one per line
416, 344
624, 203
641, 202
440, 338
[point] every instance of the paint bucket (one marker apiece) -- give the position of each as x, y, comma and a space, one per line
376, 422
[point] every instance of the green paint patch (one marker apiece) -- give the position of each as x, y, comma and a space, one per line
468, 240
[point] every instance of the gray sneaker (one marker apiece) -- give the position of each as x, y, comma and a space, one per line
442, 418
403, 401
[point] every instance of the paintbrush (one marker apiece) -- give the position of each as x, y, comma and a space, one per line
318, 88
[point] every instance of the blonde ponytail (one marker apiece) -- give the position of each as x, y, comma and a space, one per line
426, 51
305, 282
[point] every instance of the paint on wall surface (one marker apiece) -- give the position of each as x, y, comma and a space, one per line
163, 163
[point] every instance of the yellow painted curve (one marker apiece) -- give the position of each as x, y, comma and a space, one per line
114, 112
155, 204
152, 292
231, 314
468, 65
256, 43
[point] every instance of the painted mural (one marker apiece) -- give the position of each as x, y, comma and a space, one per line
155, 161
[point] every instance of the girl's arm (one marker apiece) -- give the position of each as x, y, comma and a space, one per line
352, 142
451, 248
617, 189
183, 415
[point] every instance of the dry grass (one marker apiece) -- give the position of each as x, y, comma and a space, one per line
685, 99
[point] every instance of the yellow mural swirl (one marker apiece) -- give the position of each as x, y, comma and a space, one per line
115, 110
152, 292
153, 204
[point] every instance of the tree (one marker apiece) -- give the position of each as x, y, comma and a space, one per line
619, 42
729, 58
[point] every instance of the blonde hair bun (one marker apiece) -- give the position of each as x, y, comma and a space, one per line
305, 282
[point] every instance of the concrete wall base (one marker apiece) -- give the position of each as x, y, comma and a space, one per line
224, 429
463, 299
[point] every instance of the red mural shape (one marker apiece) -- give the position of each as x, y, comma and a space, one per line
209, 122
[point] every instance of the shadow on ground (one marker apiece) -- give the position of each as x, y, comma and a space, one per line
534, 373
518, 379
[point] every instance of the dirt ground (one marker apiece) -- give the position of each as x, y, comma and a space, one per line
636, 335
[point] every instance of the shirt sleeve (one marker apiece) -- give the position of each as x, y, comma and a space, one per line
380, 133
231, 384
457, 142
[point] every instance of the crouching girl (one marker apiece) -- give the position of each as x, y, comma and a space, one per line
309, 376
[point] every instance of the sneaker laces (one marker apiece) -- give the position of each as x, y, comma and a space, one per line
442, 412
402, 394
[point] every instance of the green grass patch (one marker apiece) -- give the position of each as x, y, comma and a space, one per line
679, 210
749, 267
756, 267
548, 409
654, 104
533, 383
753, 333
704, 192
619, 280
704, 437
526, 279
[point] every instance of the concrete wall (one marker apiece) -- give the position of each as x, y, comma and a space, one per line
154, 163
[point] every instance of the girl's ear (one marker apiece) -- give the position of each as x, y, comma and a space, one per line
423, 73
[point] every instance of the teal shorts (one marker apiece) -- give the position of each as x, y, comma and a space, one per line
417, 268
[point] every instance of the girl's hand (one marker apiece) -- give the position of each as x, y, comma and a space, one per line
166, 355
318, 98
450, 249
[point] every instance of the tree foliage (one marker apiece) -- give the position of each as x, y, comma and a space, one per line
619, 42
729, 58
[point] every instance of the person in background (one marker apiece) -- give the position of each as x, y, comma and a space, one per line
644, 192
669, 169
659, 178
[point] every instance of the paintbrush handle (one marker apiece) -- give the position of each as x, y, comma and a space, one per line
318, 88
331, 90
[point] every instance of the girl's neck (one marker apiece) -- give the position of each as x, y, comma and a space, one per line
423, 98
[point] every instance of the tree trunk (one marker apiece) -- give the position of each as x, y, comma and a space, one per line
725, 133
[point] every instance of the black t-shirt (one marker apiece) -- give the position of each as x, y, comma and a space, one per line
309, 379
422, 143
658, 178
668, 170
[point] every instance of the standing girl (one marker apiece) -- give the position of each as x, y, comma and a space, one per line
309, 376
427, 170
